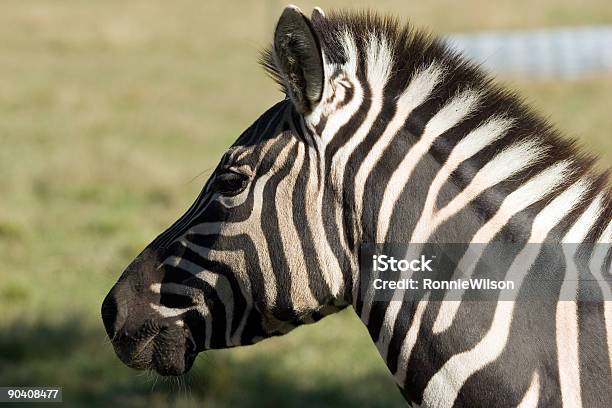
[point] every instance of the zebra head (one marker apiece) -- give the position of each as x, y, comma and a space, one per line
251, 258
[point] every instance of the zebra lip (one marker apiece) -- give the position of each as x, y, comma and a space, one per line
167, 348
174, 352
135, 349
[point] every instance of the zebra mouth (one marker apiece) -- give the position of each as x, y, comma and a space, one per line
167, 348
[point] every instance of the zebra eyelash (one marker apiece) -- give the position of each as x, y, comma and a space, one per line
230, 182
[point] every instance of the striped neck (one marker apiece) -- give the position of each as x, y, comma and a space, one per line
419, 146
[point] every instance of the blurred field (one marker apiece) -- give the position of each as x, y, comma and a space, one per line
111, 115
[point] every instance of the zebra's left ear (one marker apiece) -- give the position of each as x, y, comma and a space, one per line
298, 57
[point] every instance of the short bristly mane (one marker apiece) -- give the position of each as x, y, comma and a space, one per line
413, 49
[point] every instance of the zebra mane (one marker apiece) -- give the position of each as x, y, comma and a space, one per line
412, 50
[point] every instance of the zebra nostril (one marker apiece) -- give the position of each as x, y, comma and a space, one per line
109, 314
191, 346
176, 301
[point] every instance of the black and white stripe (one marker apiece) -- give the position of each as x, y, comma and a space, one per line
387, 136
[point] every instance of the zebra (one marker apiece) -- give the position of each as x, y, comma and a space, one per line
385, 135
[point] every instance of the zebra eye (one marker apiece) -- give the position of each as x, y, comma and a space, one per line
230, 182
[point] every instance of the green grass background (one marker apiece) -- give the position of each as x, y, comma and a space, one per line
111, 116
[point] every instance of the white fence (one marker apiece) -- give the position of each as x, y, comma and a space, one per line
557, 52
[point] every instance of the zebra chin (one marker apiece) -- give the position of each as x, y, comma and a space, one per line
166, 347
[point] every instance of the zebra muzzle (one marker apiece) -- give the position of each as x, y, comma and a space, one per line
164, 346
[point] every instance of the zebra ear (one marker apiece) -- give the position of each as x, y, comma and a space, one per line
317, 13
298, 58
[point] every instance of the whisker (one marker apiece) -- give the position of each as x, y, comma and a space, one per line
208, 170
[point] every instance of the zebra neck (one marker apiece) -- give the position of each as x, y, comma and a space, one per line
459, 185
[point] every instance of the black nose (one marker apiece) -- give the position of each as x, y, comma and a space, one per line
131, 294
113, 314
109, 314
